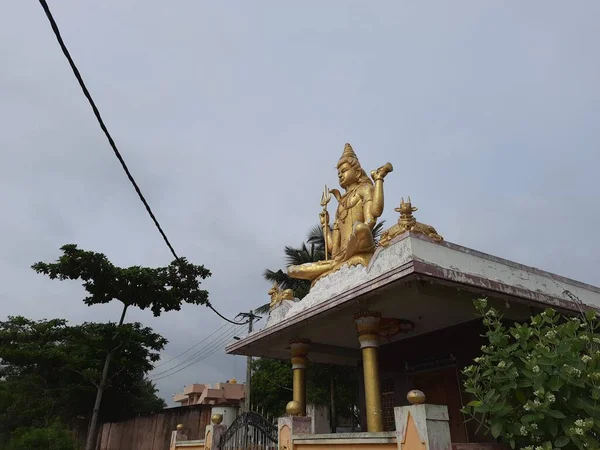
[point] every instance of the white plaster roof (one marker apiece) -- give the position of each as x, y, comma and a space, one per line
411, 256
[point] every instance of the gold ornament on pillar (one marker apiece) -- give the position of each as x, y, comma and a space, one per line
293, 408
416, 397
350, 240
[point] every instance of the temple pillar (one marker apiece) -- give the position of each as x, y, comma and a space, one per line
299, 350
367, 326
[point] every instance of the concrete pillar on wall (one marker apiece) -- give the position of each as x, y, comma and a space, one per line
292, 426
420, 426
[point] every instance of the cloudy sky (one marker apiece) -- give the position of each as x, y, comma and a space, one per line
232, 115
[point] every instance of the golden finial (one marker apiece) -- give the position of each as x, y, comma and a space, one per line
216, 419
180, 427
408, 222
416, 397
293, 408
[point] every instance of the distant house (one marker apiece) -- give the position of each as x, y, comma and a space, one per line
229, 393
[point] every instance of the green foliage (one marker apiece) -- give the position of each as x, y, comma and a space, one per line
53, 437
537, 385
322, 378
272, 386
160, 289
50, 370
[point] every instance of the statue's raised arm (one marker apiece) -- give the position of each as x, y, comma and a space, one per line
350, 240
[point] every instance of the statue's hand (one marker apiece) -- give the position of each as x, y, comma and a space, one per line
336, 194
324, 217
380, 173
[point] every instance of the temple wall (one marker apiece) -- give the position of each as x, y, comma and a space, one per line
153, 431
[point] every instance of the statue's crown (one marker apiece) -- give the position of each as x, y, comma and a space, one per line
347, 154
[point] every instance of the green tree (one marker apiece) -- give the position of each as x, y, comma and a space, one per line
537, 384
53, 437
50, 371
271, 385
159, 289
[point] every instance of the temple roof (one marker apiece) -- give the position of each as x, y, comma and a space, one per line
418, 279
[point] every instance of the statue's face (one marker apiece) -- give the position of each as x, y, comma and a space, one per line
347, 175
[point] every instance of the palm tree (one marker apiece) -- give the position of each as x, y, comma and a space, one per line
302, 255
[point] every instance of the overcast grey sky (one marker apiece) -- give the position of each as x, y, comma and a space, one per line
232, 115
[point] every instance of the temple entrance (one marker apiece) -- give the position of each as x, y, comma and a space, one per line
442, 387
250, 431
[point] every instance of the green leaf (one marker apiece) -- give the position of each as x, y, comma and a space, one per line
555, 383
475, 403
590, 315
551, 426
496, 429
521, 397
556, 414
489, 395
562, 441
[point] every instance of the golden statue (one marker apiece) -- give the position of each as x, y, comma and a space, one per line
277, 295
407, 222
350, 241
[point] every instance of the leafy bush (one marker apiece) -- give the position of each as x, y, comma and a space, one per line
53, 437
537, 385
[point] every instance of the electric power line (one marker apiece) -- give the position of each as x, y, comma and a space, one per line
209, 352
116, 151
193, 346
199, 352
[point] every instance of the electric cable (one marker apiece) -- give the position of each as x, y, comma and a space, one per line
199, 352
210, 352
116, 151
193, 346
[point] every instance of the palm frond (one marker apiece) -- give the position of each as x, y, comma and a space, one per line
316, 237
263, 309
377, 230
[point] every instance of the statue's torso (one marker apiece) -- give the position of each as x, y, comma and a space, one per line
349, 211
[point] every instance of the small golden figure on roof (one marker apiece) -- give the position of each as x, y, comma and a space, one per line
277, 295
350, 241
408, 222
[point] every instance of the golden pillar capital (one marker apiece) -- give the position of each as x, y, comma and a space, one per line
299, 356
367, 326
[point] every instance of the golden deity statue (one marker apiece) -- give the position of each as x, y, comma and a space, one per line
277, 295
350, 241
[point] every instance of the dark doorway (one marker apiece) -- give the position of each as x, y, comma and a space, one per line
441, 386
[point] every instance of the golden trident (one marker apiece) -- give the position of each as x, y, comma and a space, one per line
325, 197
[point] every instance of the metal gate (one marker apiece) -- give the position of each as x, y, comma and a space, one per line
250, 431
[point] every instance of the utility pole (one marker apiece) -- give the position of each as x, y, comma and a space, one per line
251, 317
